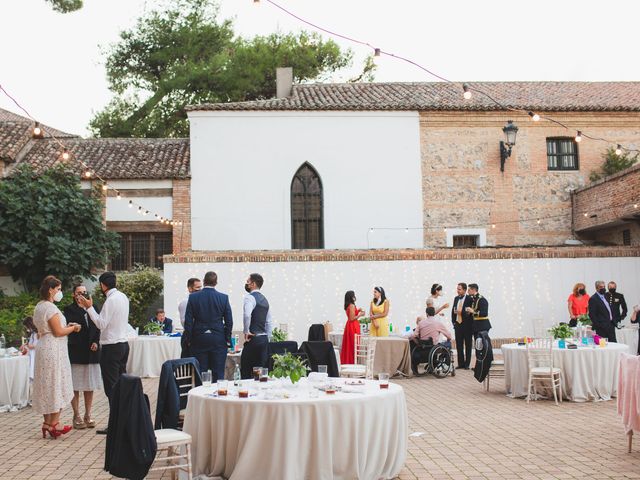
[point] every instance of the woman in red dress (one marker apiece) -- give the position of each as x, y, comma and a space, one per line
578, 303
347, 352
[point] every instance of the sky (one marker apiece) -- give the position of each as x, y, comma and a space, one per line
53, 63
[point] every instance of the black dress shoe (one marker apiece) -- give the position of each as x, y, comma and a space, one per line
102, 431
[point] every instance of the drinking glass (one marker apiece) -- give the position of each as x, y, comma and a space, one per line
264, 374
383, 380
256, 373
206, 378
322, 369
222, 387
243, 392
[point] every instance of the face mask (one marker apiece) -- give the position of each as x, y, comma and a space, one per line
246, 288
58, 296
612, 290
602, 291
582, 291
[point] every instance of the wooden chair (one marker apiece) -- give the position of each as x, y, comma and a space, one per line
365, 350
540, 360
171, 441
185, 376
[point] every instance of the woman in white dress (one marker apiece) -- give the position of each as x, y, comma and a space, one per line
438, 303
52, 387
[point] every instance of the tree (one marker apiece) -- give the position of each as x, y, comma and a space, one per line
184, 55
613, 163
49, 226
65, 6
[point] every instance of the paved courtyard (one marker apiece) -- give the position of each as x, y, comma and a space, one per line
467, 434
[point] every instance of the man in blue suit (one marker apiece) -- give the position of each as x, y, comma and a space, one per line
208, 325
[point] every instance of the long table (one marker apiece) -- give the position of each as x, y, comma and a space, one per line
357, 434
14, 382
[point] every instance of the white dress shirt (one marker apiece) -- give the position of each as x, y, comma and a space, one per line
248, 305
113, 318
182, 310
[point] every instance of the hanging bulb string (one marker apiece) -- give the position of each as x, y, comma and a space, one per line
88, 171
470, 87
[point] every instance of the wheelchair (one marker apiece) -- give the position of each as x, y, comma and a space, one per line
429, 358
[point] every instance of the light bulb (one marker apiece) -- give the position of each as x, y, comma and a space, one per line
87, 174
493, 225
65, 155
618, 150
579, 136
534, 116
146, 212
37, 131
140, 210
467, 92
130, 204
118, 196
105, 187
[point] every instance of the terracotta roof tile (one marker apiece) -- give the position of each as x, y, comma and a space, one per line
538, 96
118, 158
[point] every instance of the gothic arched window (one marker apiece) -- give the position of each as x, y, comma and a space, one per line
307, 230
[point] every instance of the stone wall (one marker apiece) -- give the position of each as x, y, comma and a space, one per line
464, 188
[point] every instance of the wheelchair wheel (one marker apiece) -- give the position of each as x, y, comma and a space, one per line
440, 361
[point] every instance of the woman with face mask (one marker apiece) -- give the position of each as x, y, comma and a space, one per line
578, 303
52, 386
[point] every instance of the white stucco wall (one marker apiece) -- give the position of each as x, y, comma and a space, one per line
242, 164
524, 296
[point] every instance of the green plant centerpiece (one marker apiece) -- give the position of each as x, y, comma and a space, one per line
278, 335
561, 331
364, 320
584, 319
153, 328
288, 365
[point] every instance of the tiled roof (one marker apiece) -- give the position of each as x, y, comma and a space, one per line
118, 158
15, 132
537, 96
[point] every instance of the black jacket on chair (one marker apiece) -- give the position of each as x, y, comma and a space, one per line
316, 333
169, 402
131, 441
321, 353
484, 356
280, 348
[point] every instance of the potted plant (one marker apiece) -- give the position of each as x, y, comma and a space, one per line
288, 365
364, 323
584, 319
278, 335
561, 331
153, 328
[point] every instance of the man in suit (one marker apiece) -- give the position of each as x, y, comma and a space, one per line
163, 321
208, 325
617, 303
601, 314
463, 325
258, 324
480, 311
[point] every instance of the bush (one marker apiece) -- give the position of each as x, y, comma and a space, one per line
143, 286
12, 310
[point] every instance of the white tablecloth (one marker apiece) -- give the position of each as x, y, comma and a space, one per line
14, 382
147, 353
342, 436
628, 336
588, 373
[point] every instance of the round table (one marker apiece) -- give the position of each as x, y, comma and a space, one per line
628, 336
14, 382
588, 373
393, 356
357, 434
147, 353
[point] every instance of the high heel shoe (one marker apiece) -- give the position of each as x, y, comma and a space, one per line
53, 431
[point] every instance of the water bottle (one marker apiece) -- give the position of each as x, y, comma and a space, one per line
390, 327
237, 376
237, 344
3, 345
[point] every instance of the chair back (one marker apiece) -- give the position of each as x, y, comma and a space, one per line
316, 333
185, 375
539, 353
365, 350
280, 348
321, 353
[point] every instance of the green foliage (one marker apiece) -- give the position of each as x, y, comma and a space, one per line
278, 335
152, 328
584, 319
288, 365
13, 309
65, 6
143, 286
182, 54
613, 163
49, 226
364, 320
561, 331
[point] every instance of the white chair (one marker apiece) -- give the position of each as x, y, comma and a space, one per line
540, 360
365, 350
172, 441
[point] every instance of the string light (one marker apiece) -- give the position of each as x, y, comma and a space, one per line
37, 131
618, 150
493, 225
140, 210
130, 204
118, 196
538, 221
87, 174
65, 155
579, 136
145, 213
467, 91
534, 116
104, 187
376, 52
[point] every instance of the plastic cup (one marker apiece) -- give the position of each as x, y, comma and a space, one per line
322, 369
206, 378
383, 380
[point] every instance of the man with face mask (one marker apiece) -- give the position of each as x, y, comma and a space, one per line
601, 314
112, 321
258, 324
617, 304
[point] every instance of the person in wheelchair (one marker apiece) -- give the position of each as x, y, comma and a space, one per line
425, 336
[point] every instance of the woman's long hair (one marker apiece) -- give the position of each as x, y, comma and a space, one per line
383, 297
349, 299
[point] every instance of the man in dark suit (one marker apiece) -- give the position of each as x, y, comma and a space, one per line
162, 320
463, 325
600, 313
480, 310
208, 325
617, 303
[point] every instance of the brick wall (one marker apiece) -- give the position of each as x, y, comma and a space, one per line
600, 208
464, 188
182, 213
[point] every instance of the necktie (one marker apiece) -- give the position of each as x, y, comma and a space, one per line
460, 305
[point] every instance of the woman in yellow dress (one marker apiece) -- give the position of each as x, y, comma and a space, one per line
378, 314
